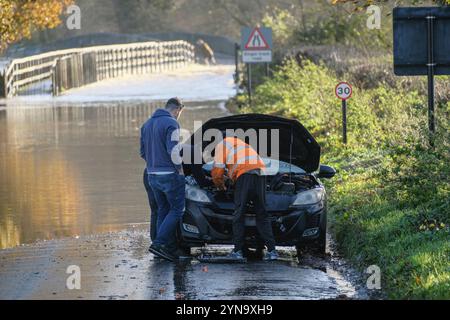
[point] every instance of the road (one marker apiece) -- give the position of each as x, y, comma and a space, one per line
118, 266
72, 194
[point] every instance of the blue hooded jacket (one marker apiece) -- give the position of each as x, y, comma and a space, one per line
159, 136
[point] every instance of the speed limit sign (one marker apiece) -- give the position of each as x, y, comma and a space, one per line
344, 91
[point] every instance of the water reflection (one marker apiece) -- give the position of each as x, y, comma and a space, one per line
75, 169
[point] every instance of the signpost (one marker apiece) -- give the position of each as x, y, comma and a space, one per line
344, 91
256, 46
422, 47
237, 75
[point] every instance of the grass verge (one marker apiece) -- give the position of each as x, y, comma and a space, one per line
390, 203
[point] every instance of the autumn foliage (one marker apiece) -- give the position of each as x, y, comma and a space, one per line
19, 18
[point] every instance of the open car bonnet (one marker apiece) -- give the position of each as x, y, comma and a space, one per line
303, 152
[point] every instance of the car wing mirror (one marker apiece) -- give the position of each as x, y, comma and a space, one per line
326, 172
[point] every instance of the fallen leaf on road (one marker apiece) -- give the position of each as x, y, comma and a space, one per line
179, 296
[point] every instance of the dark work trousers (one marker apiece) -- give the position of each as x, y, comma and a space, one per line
251, 187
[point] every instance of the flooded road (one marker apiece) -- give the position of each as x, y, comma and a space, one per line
71, 194
76, 170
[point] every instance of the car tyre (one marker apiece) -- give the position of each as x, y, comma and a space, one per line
320, 246
300, 248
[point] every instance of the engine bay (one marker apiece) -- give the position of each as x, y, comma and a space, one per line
282, 183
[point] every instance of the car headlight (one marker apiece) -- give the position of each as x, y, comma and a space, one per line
196, 194
309, 197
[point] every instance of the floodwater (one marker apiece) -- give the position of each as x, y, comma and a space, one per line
75, 170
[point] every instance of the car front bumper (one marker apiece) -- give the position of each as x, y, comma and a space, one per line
203, 224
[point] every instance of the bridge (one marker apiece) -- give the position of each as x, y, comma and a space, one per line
58, 71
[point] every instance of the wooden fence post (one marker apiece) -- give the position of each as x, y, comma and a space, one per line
2, 85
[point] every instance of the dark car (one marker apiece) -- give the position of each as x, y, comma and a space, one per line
296, 199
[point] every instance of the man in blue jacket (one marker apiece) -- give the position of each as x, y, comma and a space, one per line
160, 148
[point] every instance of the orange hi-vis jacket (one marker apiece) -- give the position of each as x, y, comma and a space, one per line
237, 156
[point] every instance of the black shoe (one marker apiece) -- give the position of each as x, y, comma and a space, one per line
162, 252
157, 258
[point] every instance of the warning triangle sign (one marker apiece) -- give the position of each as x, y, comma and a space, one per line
257, 41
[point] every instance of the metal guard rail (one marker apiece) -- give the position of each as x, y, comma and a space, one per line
73, 68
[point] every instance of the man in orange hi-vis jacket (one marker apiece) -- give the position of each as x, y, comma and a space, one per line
246, 170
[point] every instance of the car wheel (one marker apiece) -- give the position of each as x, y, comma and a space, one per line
300, 248
317, 247
320, 246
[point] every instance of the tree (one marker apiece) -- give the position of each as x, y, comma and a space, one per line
20, 18
141, 16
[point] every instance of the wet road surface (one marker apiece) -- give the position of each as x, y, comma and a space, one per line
118, 266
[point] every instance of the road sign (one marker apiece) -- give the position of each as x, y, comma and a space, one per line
422, 46
256, 41
411, 43
256, 44
344, 91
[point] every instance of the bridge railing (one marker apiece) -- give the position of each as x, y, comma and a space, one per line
23, 72
73, 68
